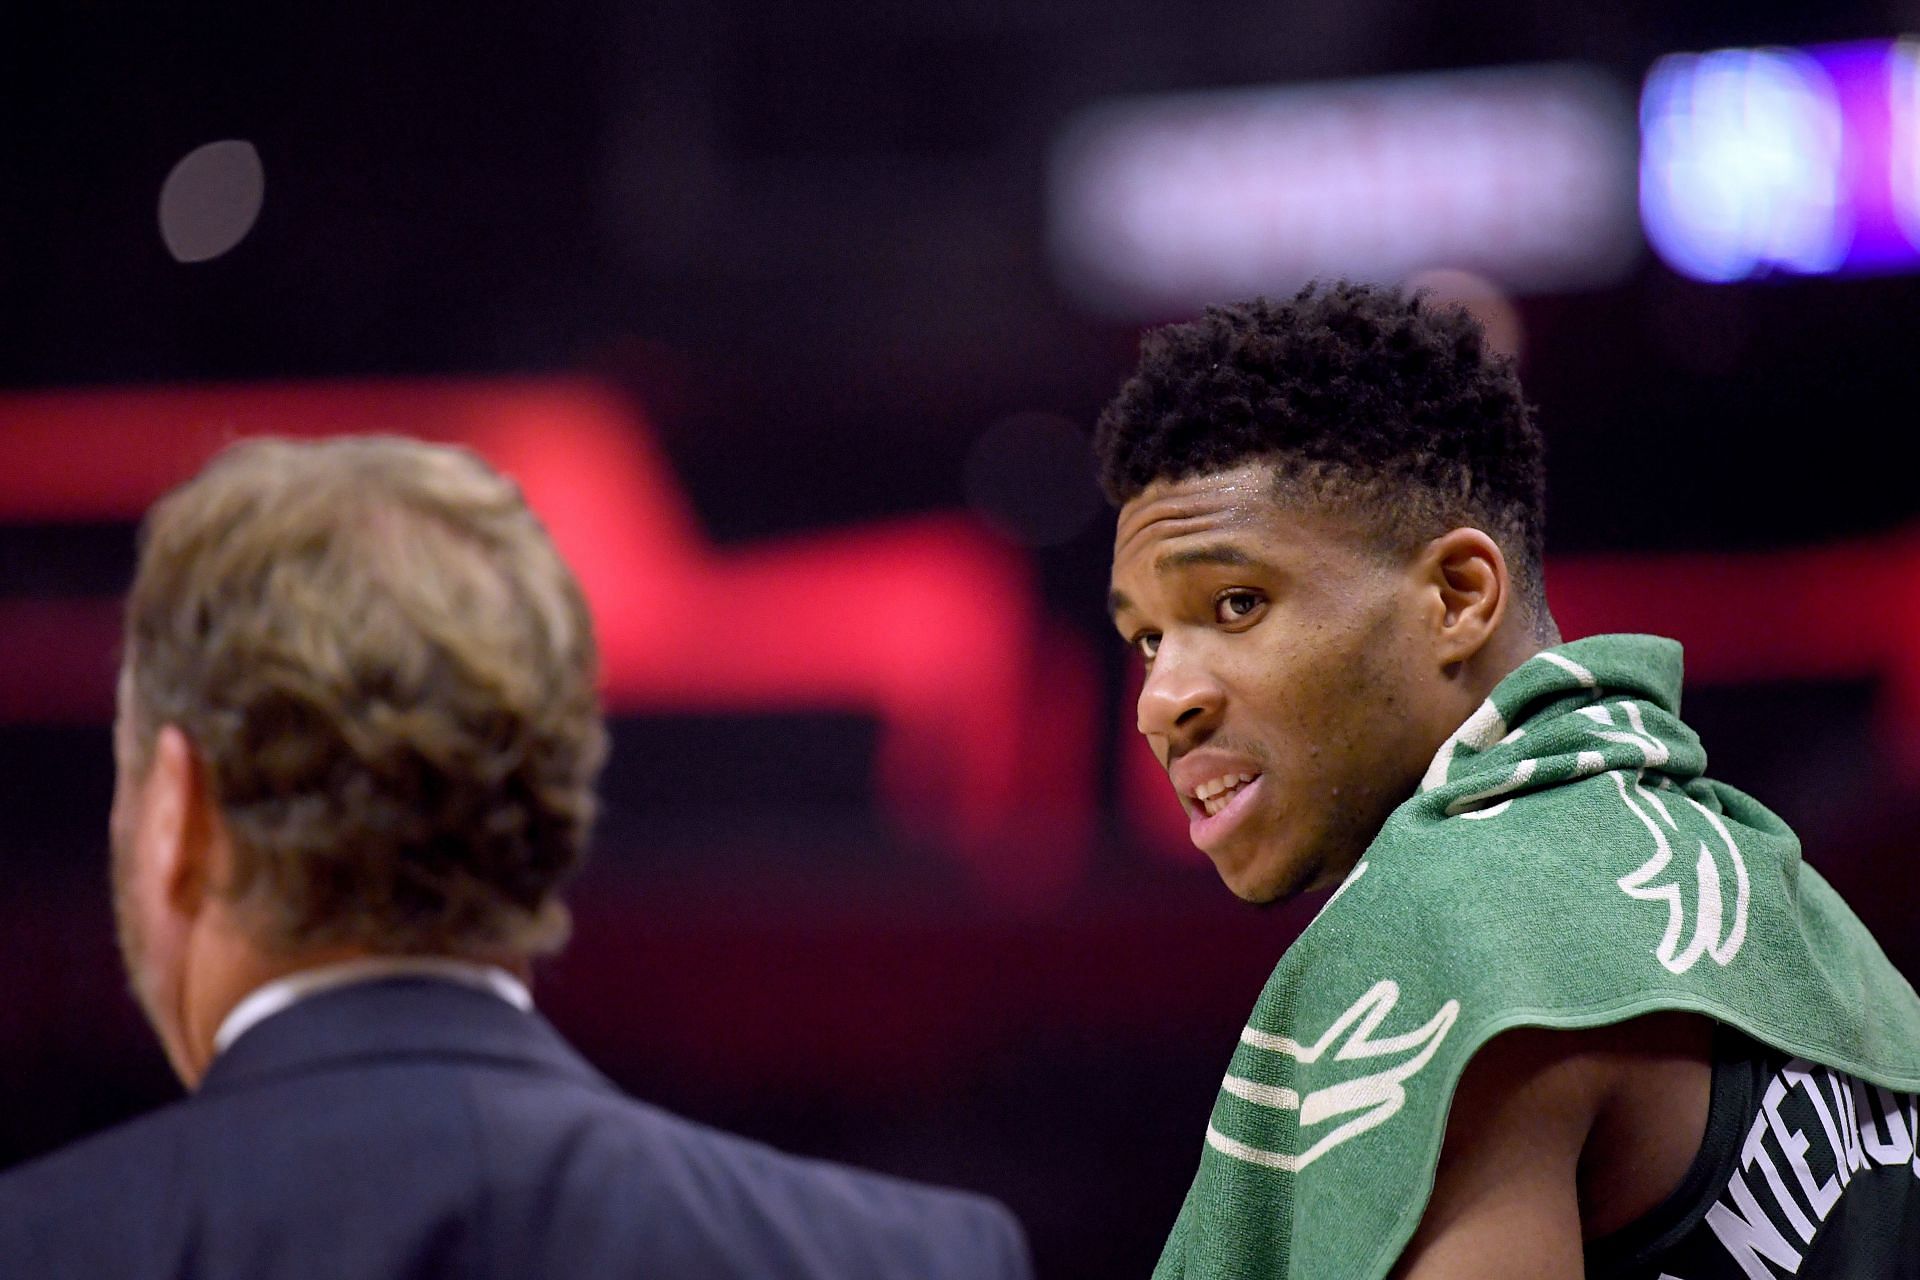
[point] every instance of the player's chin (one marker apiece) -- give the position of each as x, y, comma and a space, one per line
1265, 875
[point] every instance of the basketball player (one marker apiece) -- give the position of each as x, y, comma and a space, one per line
1575, 1008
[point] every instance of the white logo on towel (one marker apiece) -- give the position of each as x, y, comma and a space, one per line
1367, 1100
1646, 884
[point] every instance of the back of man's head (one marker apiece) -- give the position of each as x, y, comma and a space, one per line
389, 676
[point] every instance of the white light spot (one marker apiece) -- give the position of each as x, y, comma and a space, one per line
211, 200
1740, 164
1523, 175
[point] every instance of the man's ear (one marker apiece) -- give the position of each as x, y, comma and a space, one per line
185, 834
1468, 576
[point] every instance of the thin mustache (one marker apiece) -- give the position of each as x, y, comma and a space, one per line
1252, 751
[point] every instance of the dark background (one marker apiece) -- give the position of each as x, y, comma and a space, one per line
808, 244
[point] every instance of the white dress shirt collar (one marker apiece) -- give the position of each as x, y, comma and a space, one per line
281, 993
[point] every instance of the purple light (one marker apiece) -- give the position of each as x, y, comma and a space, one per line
1862, 75
1903, 121
1756, 161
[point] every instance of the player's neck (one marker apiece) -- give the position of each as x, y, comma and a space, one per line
1467, 685
1511, 645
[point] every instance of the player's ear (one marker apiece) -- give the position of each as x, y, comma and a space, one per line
1466, 577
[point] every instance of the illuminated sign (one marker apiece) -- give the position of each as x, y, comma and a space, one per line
1522, 175
1802, 161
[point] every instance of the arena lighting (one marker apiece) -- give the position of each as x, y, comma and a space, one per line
1522, 175
1799, 161
931, 626
1904, 118
211, 200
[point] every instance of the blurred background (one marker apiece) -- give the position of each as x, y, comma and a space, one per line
793, 321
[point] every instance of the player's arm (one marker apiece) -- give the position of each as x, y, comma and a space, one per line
1506, 1199
1556, 1134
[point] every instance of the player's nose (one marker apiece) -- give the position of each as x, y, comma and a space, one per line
1181, 698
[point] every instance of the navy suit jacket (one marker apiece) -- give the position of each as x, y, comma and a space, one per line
417, 1128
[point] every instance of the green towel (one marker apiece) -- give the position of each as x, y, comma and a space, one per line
1564, 864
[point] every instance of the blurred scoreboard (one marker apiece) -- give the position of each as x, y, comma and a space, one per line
1745, 163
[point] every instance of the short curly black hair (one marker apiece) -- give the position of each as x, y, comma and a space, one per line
1377, 401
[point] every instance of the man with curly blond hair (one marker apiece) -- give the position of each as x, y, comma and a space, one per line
356, 752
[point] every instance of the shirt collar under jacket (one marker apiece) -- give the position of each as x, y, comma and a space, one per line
282, 993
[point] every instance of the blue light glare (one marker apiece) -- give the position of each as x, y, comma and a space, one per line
1740, 164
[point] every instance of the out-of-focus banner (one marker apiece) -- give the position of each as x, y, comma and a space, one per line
1522, 175
929, 625
1806, 161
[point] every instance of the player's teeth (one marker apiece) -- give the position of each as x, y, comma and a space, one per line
1218, 785
1213, 795
1216, 795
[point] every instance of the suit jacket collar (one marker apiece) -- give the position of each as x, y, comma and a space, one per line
395, 1018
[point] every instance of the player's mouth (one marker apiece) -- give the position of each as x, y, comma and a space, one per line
1216, 794
1217, 805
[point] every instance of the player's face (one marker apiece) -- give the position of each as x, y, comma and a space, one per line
1283, 690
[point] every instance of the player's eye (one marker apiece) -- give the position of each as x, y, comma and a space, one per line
1236, 606
1146, 644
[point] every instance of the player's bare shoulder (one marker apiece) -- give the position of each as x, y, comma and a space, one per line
1555, 1136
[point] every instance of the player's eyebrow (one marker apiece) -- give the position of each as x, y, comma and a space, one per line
1221, 553
1218, 553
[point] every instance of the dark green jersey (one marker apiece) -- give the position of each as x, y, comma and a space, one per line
1804, 1171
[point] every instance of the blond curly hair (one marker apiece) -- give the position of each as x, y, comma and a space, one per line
390, 675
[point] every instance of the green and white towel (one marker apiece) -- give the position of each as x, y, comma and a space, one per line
1564, 864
